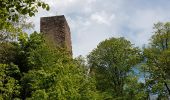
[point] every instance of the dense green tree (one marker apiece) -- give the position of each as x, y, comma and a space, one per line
157, 56
9, 85
111, 62
7, 52
52, 73
133, 89
11, 10
12, 23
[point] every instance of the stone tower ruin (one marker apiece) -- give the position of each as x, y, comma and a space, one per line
56, 27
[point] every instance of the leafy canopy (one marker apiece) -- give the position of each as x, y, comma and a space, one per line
111, 62
157, 56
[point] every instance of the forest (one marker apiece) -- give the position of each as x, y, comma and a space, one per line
32, 67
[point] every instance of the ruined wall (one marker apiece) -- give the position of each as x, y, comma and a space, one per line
56, 27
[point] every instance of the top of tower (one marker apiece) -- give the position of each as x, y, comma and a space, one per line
55, 18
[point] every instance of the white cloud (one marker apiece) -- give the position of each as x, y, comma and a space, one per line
102, 18
92, 21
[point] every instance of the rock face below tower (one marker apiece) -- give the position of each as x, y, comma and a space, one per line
56, 27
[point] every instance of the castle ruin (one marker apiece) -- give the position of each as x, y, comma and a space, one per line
56, 27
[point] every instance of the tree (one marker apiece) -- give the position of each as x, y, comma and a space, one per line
111, 63
133, 89
11, 10
157, 56
7, 52
13, 14
11, 33
9, 84
52, 73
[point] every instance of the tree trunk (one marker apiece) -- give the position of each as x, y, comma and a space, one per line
167, 87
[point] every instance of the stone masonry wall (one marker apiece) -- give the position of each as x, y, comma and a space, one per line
56, 27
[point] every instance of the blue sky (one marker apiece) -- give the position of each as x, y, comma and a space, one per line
92, 21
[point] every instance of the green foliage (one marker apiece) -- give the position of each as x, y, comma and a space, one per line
9, 86
33, 67
134, 90
11, 10
51, 73
7, 52
39, 95
111, 63
157, 57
